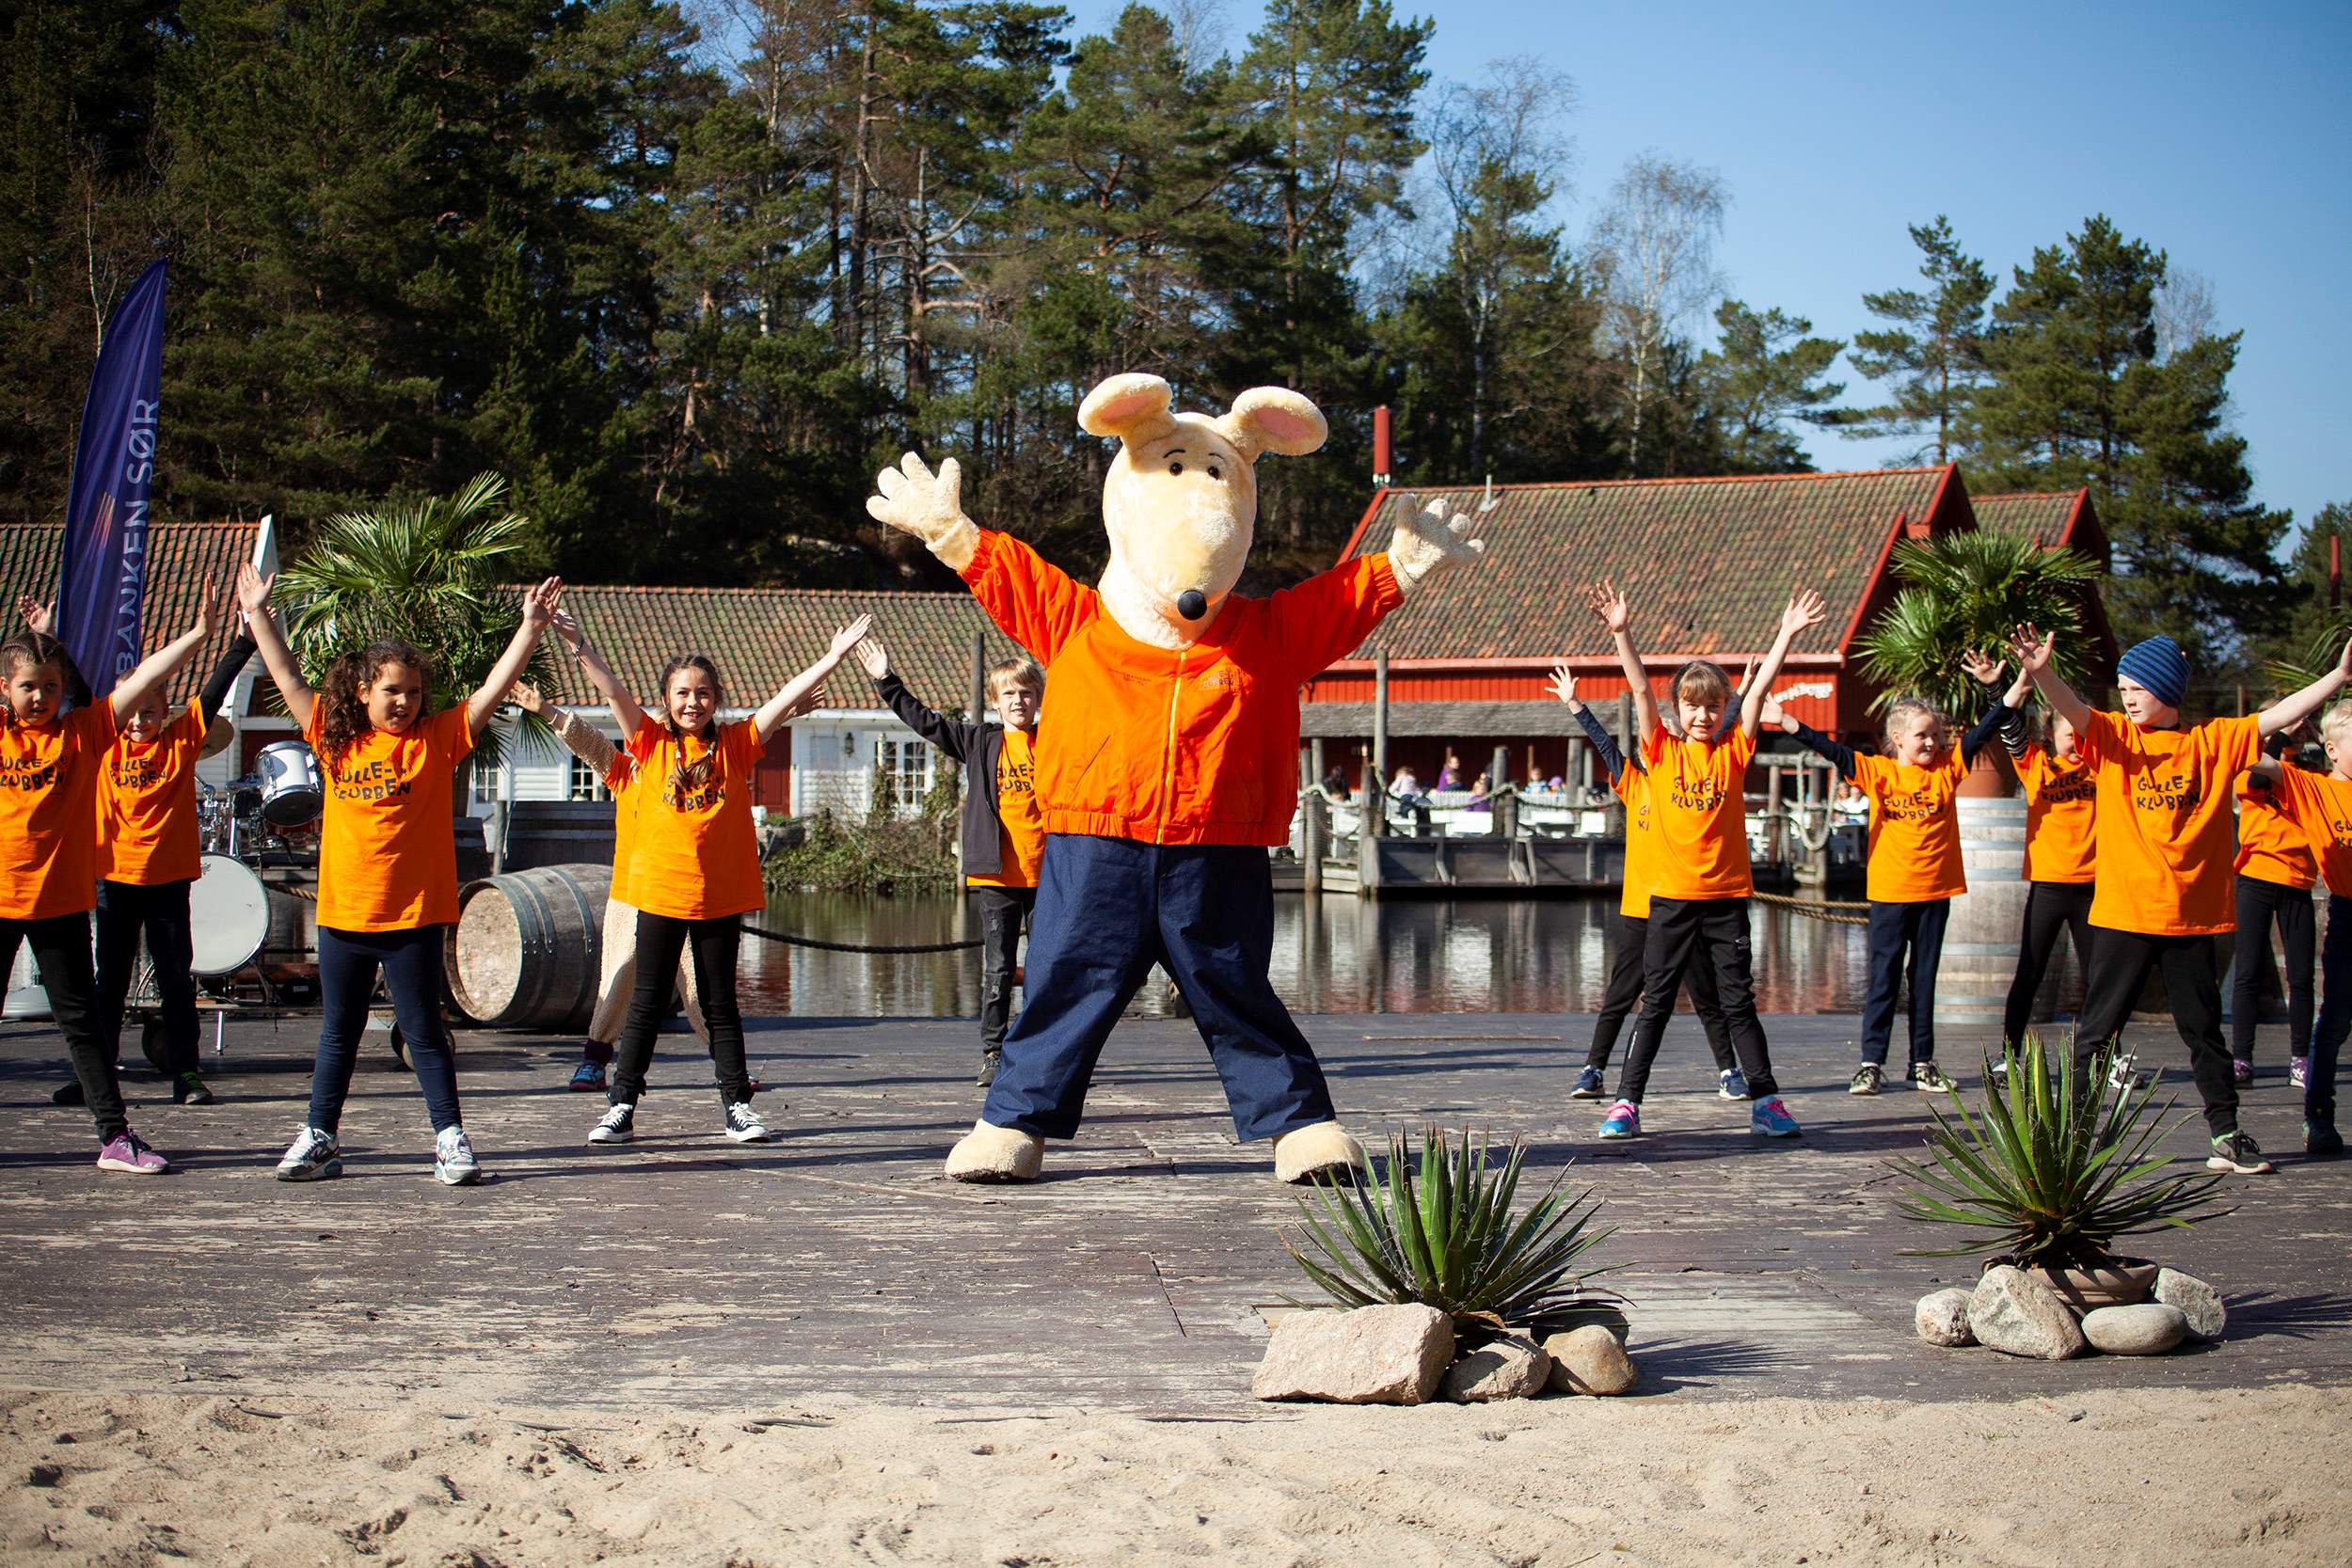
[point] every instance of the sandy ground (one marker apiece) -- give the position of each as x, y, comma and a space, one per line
156, 1478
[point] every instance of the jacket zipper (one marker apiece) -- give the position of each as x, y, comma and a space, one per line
1168, 765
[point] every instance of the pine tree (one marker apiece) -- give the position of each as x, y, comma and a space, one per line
1766, 371
1933, 353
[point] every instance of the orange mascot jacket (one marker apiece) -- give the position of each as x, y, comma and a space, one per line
1196, 745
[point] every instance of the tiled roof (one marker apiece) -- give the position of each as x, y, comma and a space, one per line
1706, 565
2044, 515
762, 637
182, 560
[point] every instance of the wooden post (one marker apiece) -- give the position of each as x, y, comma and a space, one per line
1376, 787
1314, 762
1499, 772
1313, 817
1777, 835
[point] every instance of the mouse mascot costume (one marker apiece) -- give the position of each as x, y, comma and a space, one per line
1166, 759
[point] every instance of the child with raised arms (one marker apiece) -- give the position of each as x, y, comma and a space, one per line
1701, 878
387, 860
694, 869
2275, 875
1914, 868
2319, 807
50, 763
2164, 856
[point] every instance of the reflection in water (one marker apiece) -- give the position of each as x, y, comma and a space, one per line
1346, 955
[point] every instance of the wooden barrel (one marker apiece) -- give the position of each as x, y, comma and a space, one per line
1980, 943
527, 949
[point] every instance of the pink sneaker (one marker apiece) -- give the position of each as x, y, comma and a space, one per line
126, 1153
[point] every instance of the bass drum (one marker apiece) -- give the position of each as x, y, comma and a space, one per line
228, 915
292, 795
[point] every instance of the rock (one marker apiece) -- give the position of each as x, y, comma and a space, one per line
45, 1474
2016, 1314
2149, 1328
2198, 1301
1369, 1355
1511, 1368
1942, 1317
1589, 1360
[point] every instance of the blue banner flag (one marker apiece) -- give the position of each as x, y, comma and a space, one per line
102, 576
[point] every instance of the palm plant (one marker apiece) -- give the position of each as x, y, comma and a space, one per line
2056, 1168
433, 572
1963, 591
1446, 1238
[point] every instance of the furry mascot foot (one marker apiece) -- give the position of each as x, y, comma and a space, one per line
1322, 1149
991, 1154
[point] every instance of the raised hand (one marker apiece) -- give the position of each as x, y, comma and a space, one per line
2344, 661
1774, 717
213, 608
851, 636
929, 505
1563, 687
1982, 666
38, 616
2032, 647
809, 703
525, 695
872, 658
1603, 600
1429, 540
253, 588
540, 603
1805, 609
565, 626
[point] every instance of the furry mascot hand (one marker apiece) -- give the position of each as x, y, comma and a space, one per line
914, 500
1427, 541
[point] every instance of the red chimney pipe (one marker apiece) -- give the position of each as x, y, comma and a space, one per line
1380, 466
2335, 571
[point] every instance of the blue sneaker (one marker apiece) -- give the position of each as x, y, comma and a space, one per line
588, 1076
1587, 1084
1772, 1118
1624, 1120
1731, 1083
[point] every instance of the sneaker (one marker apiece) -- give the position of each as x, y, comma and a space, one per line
69, 1094
2321, 1140
189, 1089
1587, 1084
1867, 1078
2235, 1151
1929, 1079
588, 1076
2299, 1068
1623, 1121
1731, 1083
989, 1062
619, 1125
126, 1152
312, 1157
2242, 1071
454, 1165
1772, 1119
745, 1126
2122, 1074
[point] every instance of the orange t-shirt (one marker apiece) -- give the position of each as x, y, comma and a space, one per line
2165, 847
387, 861
1641, 845
2270, 848
1023, 835
1914, 829
695, 855
2062, 803
2319, 807
48, 806
147, 805
1699, 813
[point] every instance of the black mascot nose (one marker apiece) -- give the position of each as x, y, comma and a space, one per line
1192, 604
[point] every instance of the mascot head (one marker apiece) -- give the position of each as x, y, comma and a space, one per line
1181, 499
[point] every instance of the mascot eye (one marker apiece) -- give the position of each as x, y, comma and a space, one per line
1175, 468
1214, 474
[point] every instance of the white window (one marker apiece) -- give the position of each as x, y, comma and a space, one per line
486, 782
905, 770
581, 782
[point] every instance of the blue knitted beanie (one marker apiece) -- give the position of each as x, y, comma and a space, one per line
2160, 665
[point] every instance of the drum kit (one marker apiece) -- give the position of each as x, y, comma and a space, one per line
239, 824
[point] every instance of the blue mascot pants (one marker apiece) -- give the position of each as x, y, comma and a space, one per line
1107, 909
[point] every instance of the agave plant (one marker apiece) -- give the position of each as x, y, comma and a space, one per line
1963, 591
2056, 1168
1446, 1238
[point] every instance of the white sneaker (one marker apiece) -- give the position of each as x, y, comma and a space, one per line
619, 1125
454, 1165
312, 1157
745, 1126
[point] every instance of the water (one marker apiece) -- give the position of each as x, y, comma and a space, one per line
1345, 955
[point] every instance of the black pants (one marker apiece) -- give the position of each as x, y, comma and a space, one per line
1713, 933
61, 948
2335, 1017
2259, 905
127, 911
1906, 943
2124, 960
2052, 910
411, 962
1628, 936
1001, 910
712, 946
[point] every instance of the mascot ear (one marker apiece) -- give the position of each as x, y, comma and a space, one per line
1274, 418
1133, 408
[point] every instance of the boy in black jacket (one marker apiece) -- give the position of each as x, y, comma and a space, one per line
1003, 836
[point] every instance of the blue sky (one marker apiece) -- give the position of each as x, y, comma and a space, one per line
2221, 135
